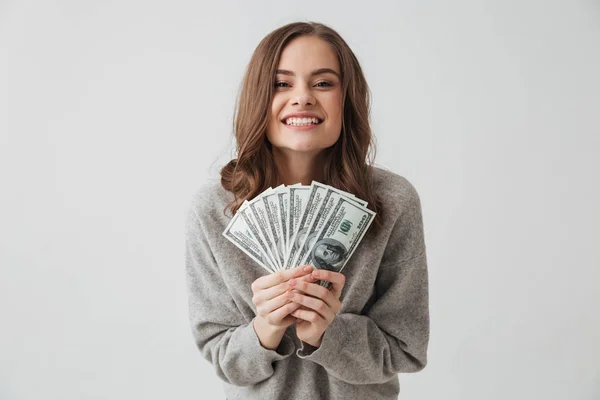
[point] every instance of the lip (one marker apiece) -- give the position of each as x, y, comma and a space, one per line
301, 128
302, 115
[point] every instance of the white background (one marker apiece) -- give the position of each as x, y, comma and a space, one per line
112, 113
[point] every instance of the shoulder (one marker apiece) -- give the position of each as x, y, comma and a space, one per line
208, 199
401, 201
396, 192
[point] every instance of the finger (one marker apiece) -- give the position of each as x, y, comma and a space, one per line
306, 278
337, 280
287, 321
279, 315
267, 294
315, 290
308, 315
313, 303
273, 304
279, 277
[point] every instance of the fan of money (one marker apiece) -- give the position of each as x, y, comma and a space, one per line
293, 225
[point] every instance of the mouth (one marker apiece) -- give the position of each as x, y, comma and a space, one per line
301, 122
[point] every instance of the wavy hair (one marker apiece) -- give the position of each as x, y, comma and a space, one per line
349, 162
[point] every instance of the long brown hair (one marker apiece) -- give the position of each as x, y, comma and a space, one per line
349, 162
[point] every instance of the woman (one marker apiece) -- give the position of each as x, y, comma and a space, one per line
281, 335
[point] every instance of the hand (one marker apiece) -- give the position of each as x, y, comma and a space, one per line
273, 306
320, 306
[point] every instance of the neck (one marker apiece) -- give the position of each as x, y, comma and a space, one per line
298, 167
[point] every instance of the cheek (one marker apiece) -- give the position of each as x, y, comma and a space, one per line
277, 104
273, 123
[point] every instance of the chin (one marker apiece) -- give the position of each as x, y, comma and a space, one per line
307, 144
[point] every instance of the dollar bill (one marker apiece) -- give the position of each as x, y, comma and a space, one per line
259, 211
327, 206
313, 224
283, 197
246, 213
339, 236
313, 204
271, 205
297, 203
239, 233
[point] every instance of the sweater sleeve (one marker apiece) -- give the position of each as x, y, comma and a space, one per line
393, 335
221, 333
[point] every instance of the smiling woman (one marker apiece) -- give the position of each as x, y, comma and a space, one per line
306, 110
303, 115
299, 71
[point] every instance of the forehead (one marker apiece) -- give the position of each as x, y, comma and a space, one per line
307, 53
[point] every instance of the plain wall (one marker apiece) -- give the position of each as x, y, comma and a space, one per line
112, 113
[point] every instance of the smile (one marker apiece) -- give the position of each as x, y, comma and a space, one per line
301, 123
301, 127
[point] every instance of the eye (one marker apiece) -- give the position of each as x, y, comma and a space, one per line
285, 84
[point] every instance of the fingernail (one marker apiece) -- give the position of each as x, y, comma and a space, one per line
307, 268
316, 273
292, 282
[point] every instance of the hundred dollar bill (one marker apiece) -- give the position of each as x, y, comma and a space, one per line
271, 204
260, 213
246, 212
297, 203
239, 233
339, 236
287, 213
331, 198
313, 204
283, 197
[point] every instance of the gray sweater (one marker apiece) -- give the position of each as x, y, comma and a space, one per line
382, 328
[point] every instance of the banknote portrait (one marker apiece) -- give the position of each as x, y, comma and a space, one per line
328, 254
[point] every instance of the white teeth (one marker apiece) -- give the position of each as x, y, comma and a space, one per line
301, 121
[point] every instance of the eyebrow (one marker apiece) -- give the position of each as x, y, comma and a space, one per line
313, 73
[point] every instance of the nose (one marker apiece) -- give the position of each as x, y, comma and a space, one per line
304, 98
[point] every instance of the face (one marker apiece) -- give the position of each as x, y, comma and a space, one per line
328, 253
307, 81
